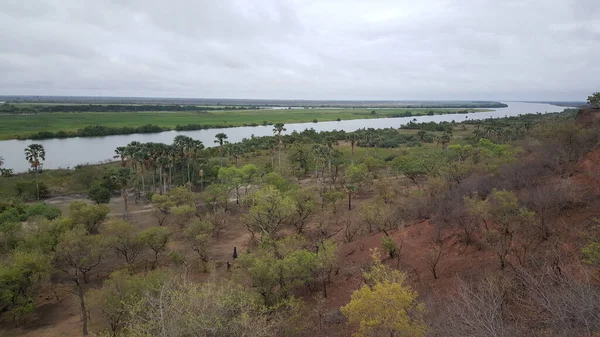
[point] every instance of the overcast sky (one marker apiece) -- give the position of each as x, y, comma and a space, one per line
302, 49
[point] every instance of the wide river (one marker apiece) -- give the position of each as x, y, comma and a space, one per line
69, 152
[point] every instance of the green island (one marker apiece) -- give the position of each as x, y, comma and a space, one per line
40, 121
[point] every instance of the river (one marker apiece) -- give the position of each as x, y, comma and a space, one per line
69, 152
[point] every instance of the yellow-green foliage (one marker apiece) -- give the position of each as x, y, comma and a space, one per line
386, 307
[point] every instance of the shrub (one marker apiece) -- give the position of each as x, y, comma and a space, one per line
26, 190
43, 210
99, 193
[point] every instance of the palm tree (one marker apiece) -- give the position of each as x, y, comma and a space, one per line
193, 150
123, 178
182, 145
278, 129
121, 153
221, 137
236, 152
353, 139
163, 162
35, 154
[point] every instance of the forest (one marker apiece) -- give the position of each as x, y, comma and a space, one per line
479, 228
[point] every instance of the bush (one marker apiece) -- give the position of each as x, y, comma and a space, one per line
390, 247
99, 193
43, 210
26, 190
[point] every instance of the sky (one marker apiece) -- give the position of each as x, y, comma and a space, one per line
302, 49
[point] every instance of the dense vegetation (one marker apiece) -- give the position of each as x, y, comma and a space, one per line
514, 197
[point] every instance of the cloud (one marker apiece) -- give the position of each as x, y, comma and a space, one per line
311, 49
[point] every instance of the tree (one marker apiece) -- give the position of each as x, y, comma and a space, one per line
124, 240
162, 207
183, 215
123, 179
271, 210
22, 273
99, 194
90, 216
305, 201
180, 309
233, 178
433, 259
216, 195
221, 139
277, 267
594, 99
356, 176
419, 162
157, 239
387, 307
353, 139
35, 154
198, 235
278, 129
77, 253
118, 296
504, 219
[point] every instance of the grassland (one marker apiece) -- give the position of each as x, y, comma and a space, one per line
22, 125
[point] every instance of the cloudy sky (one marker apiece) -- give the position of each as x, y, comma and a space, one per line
302, 49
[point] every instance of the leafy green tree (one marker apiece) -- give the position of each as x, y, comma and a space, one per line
157, 239
233, 178
271, 210
326, 264
22, 273
305, 200
180, 309
35, 155
78, 253
277, 267
45, 211
123, 178
90, 216
356, 176
299, 155
504, 219
389, 246
183, 215
594, 99
419, 162
119, 294
176, 197
216, 196
198, 236
99, 194
122, 237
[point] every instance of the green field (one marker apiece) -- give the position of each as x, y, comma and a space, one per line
14, 126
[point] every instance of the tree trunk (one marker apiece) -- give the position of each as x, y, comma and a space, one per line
143, 181
279, 152
188, 171
352, 153
153, 180
37, 185
82, 305
124, 195
349, 201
